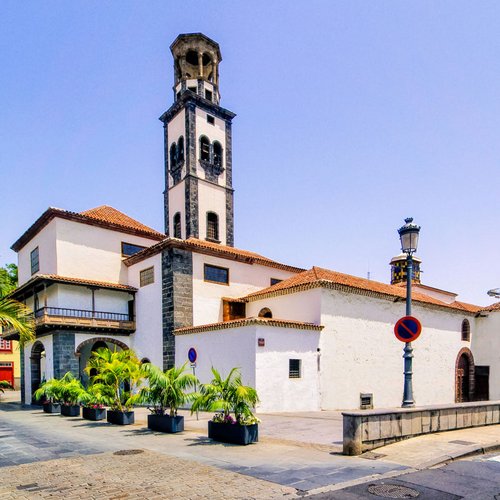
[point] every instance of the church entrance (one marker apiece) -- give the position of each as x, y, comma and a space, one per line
37, 366
464, 376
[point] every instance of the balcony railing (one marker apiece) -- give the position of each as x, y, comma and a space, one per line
50, 318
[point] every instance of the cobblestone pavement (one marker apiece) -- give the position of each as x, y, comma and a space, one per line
134, 476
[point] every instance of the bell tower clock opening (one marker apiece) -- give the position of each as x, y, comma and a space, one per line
198, 194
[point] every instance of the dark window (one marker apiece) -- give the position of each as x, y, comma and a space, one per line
208, 95
35, 261
275, 281
217, 154
366, 401
177, 225
233, 310
192, 58
204, 148
147, 276
216, 274
129, 249
212, 226
211, 120
294, 368
466, 330
192, 89
173, 155
265, 313
180, 149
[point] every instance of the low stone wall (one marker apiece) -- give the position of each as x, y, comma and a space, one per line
369, 429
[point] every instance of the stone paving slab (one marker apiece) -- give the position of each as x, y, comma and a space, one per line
145, 475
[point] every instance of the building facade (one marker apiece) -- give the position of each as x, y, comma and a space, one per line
306, 339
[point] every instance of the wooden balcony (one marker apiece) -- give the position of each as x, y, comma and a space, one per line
52, 318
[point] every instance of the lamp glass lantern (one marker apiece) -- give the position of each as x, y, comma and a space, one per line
408, 235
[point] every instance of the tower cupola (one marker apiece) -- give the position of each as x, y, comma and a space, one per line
196, 66
399, 269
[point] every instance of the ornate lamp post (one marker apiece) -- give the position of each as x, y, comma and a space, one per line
409, 241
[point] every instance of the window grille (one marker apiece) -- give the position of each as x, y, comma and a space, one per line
294, 368
466, 330
147, 276
366, 401
177, 225
212, 226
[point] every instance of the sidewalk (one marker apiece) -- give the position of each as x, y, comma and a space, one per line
296, 452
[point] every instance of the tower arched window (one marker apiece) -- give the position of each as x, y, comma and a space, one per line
212, 226
173, 155
466, 330
180, 149
204, 148
177, 225
217, 154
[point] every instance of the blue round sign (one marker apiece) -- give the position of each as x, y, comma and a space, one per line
192, 355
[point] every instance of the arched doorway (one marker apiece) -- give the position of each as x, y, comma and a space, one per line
37, 366
464, 376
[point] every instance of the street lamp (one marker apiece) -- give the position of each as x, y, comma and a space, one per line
409, 242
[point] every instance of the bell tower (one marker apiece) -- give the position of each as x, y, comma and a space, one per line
198, 192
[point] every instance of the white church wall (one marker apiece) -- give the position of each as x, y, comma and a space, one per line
360, 354
211, 198
91, 252
223, 350
485, 348
45, 240
147, 341
243, 279
302, 306
277, 391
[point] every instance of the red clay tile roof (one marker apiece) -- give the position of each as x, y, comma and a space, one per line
235, 323
493, 307
104, 216
318, 277
209, 248
70, 280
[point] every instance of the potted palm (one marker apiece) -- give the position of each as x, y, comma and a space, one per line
93, 401
226, 396
114, 371
71, 392
166, 393
50, 392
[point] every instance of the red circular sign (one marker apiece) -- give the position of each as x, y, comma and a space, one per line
407, 329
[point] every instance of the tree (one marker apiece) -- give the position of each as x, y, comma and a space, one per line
16, 315
8, 279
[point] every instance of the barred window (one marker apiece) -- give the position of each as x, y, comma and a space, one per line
466, 330
204, 148
294, 368
212, 226
147, 276
216, 274
217, 153
177, 225
5, 345
35, 261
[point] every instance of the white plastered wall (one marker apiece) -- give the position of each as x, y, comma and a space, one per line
277, 391
91, 252
485, 348
176, 203
243, 279
211, 198
360, 354
147, 341
45, 240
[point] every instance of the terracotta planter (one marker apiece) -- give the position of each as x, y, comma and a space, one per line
70, 410
120, 417
94, 413
233, 433
165, 423
52, 408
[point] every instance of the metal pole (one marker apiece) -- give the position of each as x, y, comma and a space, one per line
408, 350
195, 388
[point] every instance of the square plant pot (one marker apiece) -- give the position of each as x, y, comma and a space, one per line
233, 433
120, 417
52, 408
165, 423
93, 413
70, 410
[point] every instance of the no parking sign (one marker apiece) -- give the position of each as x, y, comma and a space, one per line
407, 329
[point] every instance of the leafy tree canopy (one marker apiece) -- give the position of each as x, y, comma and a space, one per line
8, 279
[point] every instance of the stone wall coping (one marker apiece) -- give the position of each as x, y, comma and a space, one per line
416, 409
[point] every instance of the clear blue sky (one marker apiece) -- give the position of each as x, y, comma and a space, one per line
351, 116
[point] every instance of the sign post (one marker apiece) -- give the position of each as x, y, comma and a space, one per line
193, 356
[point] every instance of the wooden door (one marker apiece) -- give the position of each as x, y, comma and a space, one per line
462, 376
7, 372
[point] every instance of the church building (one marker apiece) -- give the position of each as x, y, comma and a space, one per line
306, 339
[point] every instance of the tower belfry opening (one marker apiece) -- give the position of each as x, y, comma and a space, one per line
198, 146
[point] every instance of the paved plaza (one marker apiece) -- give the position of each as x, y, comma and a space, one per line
43, 455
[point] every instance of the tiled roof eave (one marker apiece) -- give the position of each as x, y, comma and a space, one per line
225, 325
359, 291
